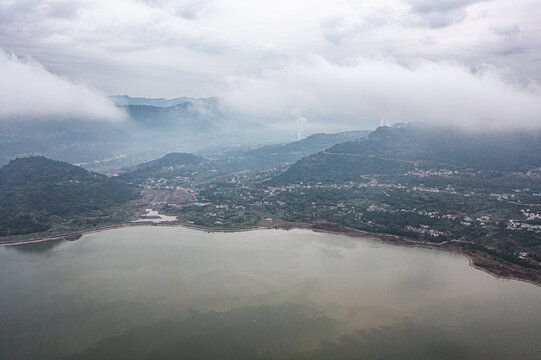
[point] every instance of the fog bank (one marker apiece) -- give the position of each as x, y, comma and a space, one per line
375, 91
29, 92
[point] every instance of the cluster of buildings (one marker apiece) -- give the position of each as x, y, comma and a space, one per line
425, 229
426, 173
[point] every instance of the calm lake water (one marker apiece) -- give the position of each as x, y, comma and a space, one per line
174, 293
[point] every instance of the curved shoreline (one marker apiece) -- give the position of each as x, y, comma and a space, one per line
324, 228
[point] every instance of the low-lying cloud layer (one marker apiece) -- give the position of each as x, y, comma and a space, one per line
472, 63
371, 91
29, 92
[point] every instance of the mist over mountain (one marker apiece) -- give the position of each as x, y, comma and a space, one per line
279, 154
174, 171
190, 115
171, 159
398, 149
69, 140
178, 163
122, 100
151, 128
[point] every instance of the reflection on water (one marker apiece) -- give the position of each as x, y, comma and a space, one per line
169, 293
38, 247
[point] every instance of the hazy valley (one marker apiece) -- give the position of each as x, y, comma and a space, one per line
458, 191
270, 180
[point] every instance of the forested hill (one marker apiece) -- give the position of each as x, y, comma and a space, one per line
171, 159
179, 162
395, 150
36, 192
234, 160
275, 155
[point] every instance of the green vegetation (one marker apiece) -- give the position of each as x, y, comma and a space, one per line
478, 192
181, 163
422, 184
37, 194
271, 156
171, 159
395, 150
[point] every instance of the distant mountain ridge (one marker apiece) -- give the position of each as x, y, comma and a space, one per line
278, 154
263, 157
172, 161
167, 123
190, 114
178, 116
152, 126
394, 150
122, 100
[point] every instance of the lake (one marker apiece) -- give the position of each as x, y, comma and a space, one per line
154, 292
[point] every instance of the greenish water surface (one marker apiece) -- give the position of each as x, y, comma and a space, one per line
173, 293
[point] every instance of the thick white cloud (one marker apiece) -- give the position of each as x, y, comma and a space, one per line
29, 91
370, 91
169, 48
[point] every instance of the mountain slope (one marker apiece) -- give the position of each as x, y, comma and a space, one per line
395, 150
171, 159
36, 190
179, 162
121, 100
270, 156
187, 116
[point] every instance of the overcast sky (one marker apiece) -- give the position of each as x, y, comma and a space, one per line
474, 63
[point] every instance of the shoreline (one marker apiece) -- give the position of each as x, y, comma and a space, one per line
476, 260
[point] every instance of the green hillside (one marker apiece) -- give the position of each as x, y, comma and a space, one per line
177, 163
171, 159
396, 150
275, 155
36, 192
